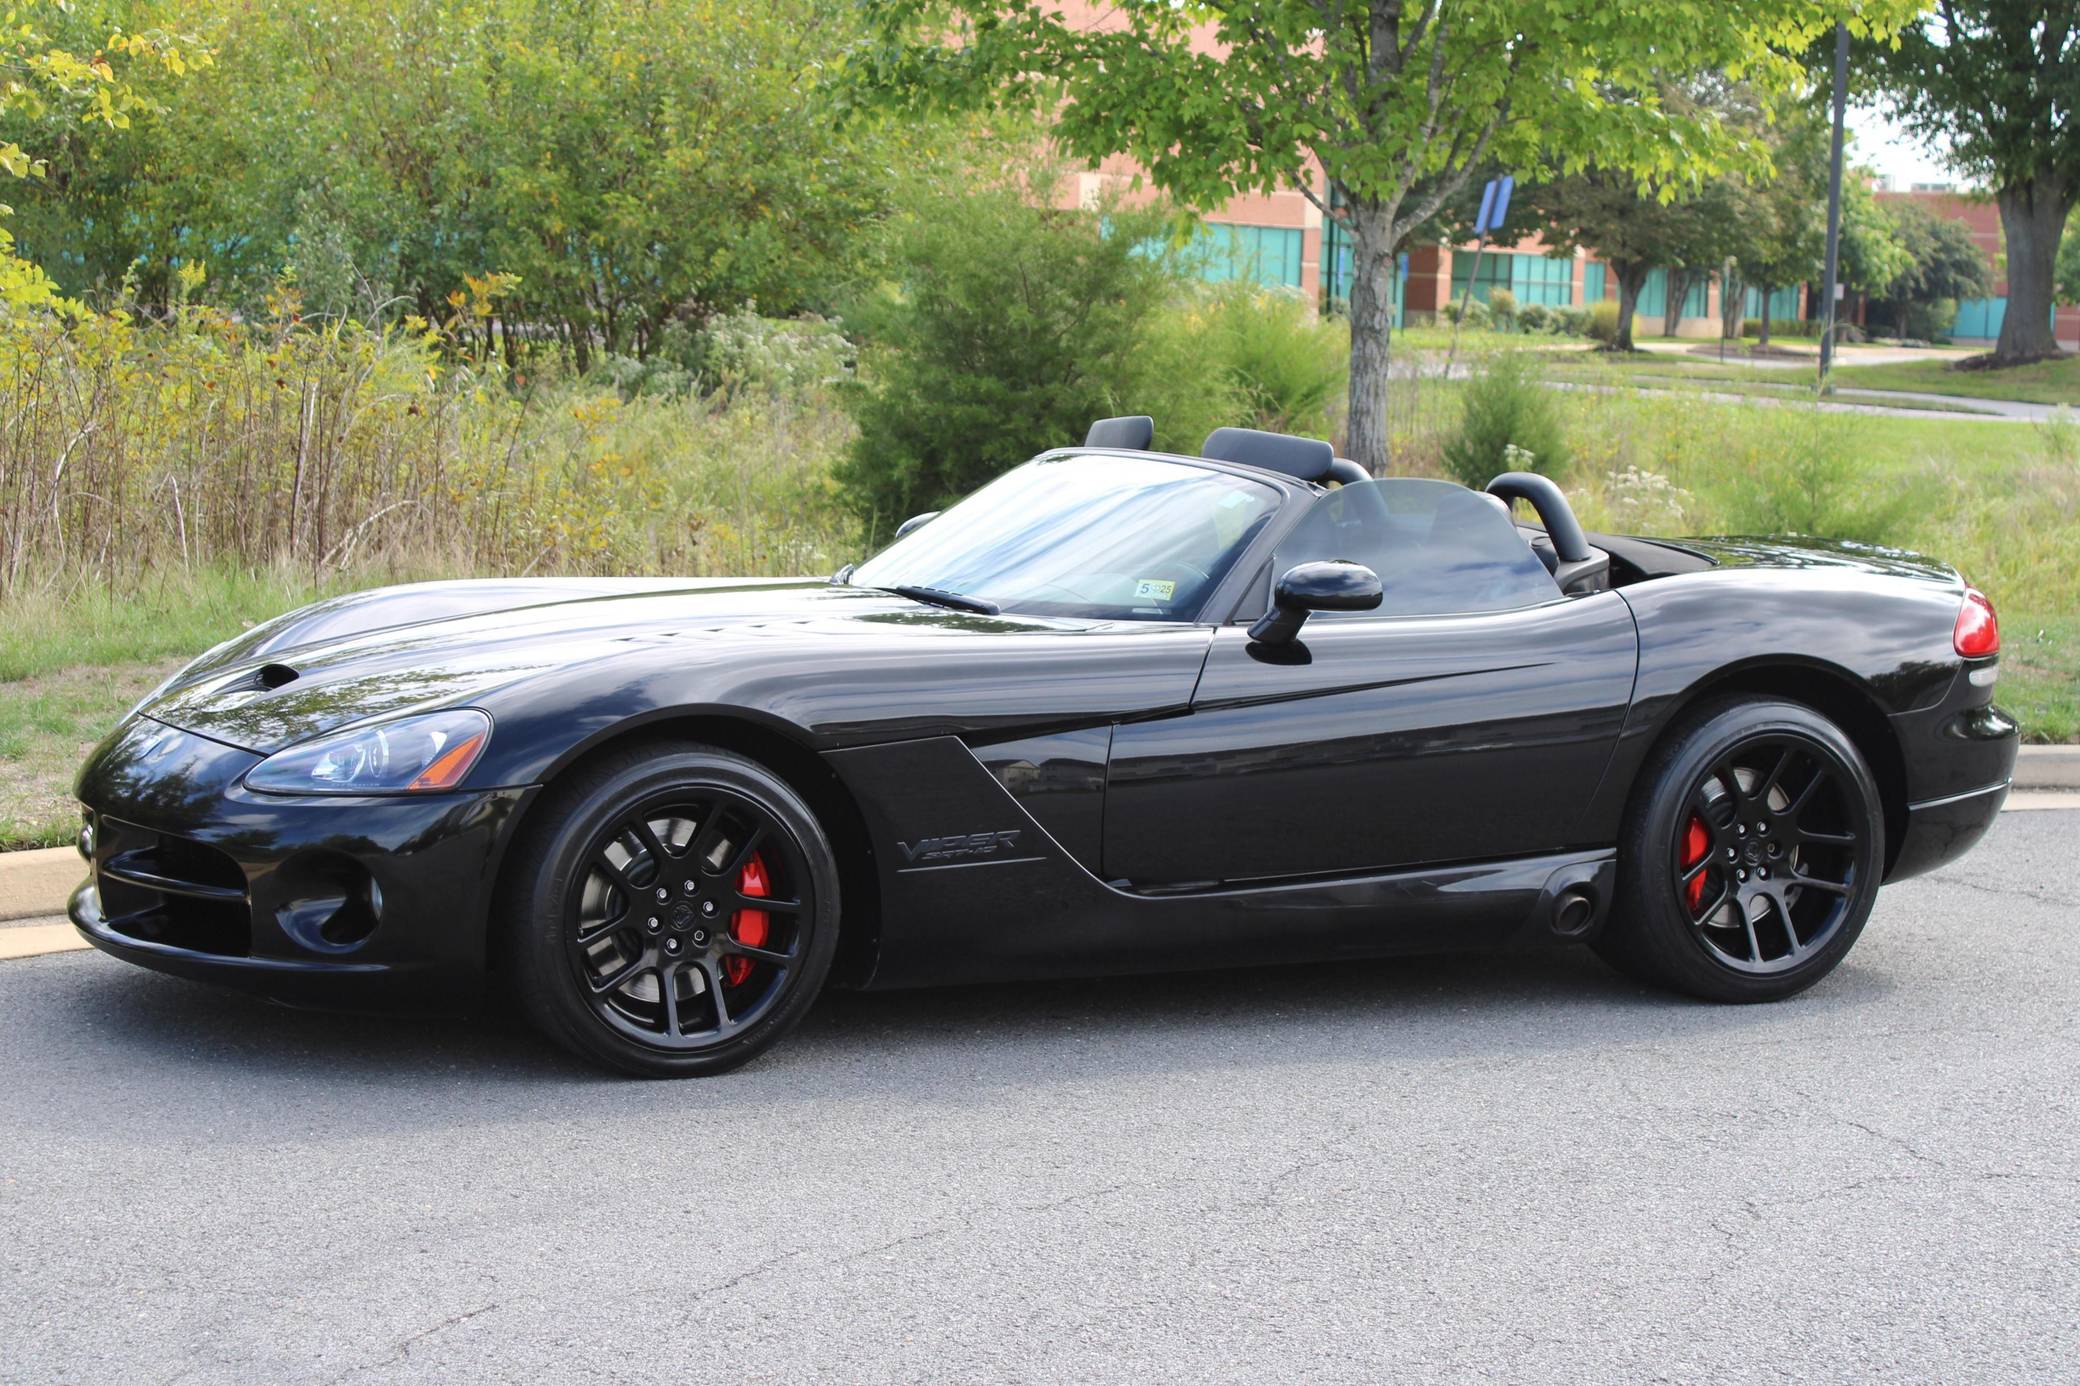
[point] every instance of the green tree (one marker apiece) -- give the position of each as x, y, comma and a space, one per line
1874, 249
1780, 236
632, 162
1999, 81
1378, 110
1629, 227
69, 75
1014, 326
1943, 263
1678, 224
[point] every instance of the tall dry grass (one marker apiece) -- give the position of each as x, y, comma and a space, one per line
128, 451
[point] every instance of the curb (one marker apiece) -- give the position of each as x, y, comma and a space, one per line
35, 885
2048, 767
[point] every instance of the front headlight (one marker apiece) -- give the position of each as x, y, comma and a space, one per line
408, 755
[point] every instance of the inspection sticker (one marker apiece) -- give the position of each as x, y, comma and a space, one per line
1148, 589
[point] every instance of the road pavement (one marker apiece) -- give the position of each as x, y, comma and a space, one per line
1516, 1166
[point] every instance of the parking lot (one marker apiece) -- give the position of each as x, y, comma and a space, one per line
1518, 1166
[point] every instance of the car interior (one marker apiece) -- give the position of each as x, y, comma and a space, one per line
1577, 562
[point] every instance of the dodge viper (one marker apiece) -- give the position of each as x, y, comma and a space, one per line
1118, 710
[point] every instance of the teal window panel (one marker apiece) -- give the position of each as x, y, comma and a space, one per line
1653, 296
1541, 279
1782, 304
1593, 281
1980, 317
1268, 255
1494, 274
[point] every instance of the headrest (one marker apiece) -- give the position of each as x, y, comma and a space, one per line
1309, 459
1133, 432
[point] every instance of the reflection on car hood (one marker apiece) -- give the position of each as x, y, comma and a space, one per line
1803, 552
404, 649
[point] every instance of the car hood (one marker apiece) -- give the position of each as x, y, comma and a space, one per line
404, 649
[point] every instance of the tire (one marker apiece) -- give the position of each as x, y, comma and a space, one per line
1750, 855
672, 910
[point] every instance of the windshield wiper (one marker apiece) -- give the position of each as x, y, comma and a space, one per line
939, 596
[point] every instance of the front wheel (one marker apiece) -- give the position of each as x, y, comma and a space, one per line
674, 910
1750, 856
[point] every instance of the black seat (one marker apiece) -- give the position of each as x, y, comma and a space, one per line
1130, 432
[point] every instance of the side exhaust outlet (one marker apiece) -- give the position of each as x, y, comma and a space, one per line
1573, 913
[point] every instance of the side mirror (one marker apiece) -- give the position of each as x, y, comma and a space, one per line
1305, 587
916, 522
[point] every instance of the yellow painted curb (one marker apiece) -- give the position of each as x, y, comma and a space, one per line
36, 884
34, 940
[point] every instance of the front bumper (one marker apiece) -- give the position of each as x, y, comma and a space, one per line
317, 899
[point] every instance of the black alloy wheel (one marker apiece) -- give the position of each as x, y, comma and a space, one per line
1751, 854
676, 910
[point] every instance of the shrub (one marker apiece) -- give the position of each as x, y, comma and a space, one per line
1781, 327
1536, 317
1806, 476
1502, 307
1928, 321
1474, 312
1285, 365
1509, 422
1575, 321
742, 351
1018, 325
1603, 322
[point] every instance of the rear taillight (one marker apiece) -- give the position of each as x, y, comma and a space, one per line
1977, 633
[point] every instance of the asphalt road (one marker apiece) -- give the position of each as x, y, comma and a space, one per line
1518, 1167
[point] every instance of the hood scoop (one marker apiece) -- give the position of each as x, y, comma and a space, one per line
264, 679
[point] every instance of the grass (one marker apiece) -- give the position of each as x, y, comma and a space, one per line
2044, 382
50, 722
1742, 383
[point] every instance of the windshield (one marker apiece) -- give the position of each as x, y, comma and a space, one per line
1097, 537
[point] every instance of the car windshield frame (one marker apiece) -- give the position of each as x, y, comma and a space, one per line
1173, 529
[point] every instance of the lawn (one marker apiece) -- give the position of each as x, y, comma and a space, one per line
72, 664
1674, 373
2045, 382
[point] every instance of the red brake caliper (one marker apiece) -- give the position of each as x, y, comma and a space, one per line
1696, 842
750, 927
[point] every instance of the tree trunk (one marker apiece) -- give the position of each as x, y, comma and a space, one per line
1631, 279
2033, 216
1731, 291
1372, 328
1679, 281
1764, 291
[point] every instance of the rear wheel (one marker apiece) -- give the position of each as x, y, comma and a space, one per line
675, 911
1751, 854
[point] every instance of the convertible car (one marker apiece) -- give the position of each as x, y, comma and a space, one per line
1118, 710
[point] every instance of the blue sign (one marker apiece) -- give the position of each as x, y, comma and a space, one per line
1494, 205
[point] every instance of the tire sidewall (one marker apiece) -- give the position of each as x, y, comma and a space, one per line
1661, 936
555, 854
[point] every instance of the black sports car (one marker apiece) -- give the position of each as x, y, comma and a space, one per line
1116, 711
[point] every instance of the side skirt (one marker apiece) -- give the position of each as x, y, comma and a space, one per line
974, 889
